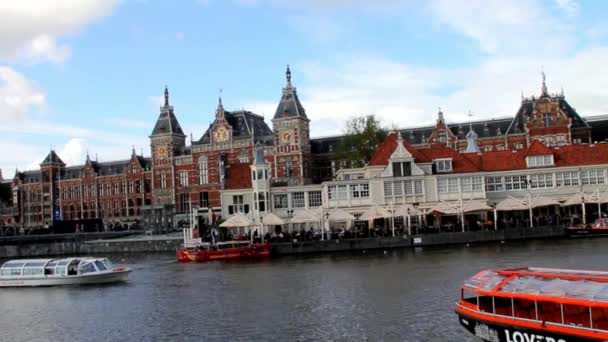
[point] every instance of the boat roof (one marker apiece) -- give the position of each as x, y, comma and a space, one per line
46, 261
535, 282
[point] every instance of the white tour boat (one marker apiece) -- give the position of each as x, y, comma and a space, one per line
68, 271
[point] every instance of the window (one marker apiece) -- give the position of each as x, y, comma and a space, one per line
398, 187
244, 156
516, 183
442, 136
402, 169
547, 119
388, 188
540, 161
541, 181
418, 187
184, 200
314, 199
470, 184
124, 187
288, 168
261, 201
567, 178
592, 177
297, 199
337, 192
443, 165
447, 185
203, 198
494, 184
115, 189
133, 168
280, 201
183, 178
519, 146
359, 190
237, 204
203, 170
163, 180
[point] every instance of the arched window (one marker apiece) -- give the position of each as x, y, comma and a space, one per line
203, 170
244, 156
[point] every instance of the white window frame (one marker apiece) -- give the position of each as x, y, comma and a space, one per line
443, 165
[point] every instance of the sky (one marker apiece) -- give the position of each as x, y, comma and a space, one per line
88, 76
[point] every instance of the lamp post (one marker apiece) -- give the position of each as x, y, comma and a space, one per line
409, 223
327, 221
530, 203
289, 214
393, 217
262, 228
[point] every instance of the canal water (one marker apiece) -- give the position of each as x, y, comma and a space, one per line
400, 295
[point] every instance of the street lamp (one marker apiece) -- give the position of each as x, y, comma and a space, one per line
409, 223
262, 228
326, 220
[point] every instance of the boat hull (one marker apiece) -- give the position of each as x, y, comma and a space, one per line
255, 251
578, 232
491, 331
97, 278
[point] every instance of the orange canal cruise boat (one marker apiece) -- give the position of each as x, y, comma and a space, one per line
193, 249
535, 304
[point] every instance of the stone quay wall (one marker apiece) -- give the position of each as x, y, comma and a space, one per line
102, 243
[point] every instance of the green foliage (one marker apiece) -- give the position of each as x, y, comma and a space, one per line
363, 135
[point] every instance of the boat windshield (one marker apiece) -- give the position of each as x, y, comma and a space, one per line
87, 267
100, 265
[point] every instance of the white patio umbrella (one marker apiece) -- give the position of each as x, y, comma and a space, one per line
236, 221
375, 212
270, 219
407, 210
511, 204
305, 216
340, 215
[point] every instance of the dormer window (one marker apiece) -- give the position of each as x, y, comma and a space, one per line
442, 136
547, 119
540, 161
443, 165
402, 169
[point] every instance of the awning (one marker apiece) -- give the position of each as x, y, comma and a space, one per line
541, 201
340, 215
373, 213
272, 219
406, 209
577, 198
305, 215
510, 204
236, 221
454, 208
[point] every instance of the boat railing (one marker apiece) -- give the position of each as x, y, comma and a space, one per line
591, 318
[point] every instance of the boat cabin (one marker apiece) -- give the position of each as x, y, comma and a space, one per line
54, 267
551, 296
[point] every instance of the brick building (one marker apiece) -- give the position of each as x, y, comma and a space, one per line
241, 164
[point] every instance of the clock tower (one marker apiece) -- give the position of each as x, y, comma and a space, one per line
291, 129
166, 141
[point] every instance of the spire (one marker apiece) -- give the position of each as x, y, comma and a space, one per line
259, 154
133, 154
219, 112
440, 115
166, 96
543, 90
288, 76
472, 142
88, 158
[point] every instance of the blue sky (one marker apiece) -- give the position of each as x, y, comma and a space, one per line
89, 75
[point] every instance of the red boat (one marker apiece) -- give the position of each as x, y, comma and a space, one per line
222, 250
535, 304
598, 228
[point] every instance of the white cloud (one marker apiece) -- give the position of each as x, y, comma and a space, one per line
73, 151
157, 100
408, 96
30, 28
505, 27
18, 95
571, 7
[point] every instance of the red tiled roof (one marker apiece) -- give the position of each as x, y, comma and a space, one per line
573, 155
238, 176
537, 148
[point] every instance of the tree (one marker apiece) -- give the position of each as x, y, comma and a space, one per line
363, 135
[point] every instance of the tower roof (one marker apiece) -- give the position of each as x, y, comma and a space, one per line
52, 158
290, 105
167, 121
